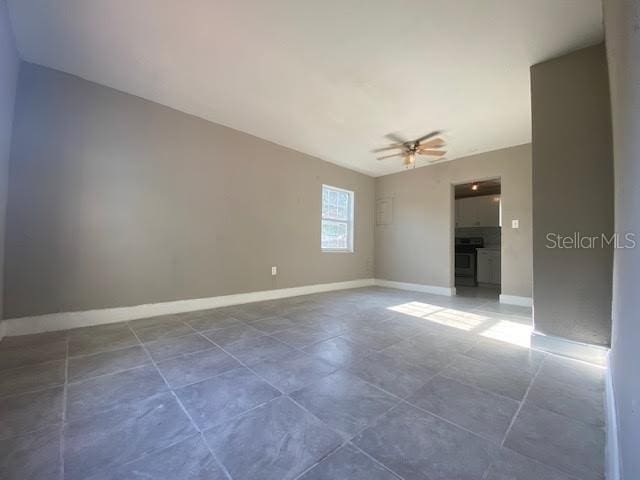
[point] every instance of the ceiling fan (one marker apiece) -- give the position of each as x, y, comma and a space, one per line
426, 145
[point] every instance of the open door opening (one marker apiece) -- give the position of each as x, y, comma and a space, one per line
478, 238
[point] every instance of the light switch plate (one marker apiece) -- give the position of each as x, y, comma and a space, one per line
274, 270
515, 223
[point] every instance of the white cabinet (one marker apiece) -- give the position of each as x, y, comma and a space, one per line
488, 266
466, 212
478, 211
489, 211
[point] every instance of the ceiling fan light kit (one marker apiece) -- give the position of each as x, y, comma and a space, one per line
426, 145
410, 160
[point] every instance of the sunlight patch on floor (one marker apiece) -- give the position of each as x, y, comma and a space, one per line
515, 333
416, 309
510, 332
458, 319
444, 316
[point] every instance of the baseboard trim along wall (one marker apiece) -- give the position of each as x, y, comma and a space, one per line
568, 348
63, 321
416, 287
516, 300
612, 453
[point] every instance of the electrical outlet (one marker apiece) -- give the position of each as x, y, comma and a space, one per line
515, 223
274, 270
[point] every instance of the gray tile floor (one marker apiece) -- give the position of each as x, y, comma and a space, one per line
360, 384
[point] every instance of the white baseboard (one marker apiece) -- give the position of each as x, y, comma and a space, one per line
416, 287
66, 320
612, 453
568, 348
516, 300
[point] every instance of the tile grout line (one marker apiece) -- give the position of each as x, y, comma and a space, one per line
28, 392
570, 476
525, 455
407, 402
524, 398
318, 462
102, 352
439, 369
29, 365
484, 390
306, 345
243, 364
149, 453
283, 395
349, 440
346, 440
476, 435
150, 364
193, 423
31, 432
376, 461
115, 372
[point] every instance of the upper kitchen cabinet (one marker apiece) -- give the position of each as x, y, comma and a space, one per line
481, 211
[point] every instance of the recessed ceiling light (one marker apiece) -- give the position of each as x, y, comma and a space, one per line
474, 187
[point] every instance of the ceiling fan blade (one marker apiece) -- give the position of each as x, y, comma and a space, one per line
428, 135
435, 142
397, 138
433, 153
390, 147
391, 156
436, 160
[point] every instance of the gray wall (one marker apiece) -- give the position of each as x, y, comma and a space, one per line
572, 192
117, 201
417, 246
9, 64
623, 44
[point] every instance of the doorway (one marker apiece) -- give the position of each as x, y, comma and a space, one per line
478, 238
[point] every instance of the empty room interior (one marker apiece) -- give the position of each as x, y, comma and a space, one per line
336, 240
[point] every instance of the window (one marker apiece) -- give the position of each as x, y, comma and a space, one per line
337, 220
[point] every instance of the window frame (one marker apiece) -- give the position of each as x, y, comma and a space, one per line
350, 222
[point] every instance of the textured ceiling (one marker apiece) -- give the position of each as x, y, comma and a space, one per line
329, 78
